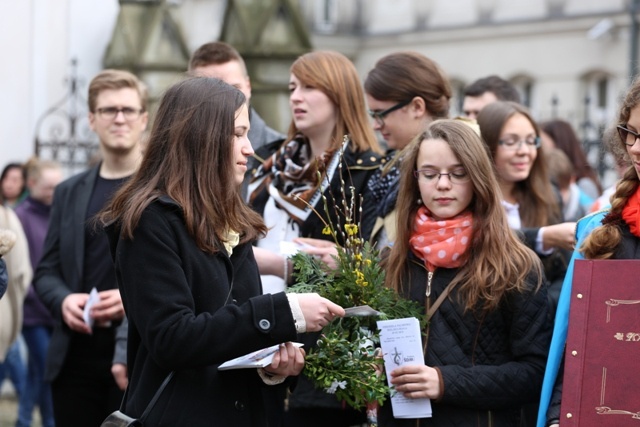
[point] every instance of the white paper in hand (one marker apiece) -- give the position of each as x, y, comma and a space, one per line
256, 359
401, 343
94, 298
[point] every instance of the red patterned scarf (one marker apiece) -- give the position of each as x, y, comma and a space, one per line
441, 243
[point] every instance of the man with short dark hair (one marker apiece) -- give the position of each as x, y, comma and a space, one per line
222, 61
86, 384
486, 90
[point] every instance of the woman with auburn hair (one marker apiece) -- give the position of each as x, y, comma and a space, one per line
533, 206
181, 238
329, 135
330, 147
612, 233
488, 329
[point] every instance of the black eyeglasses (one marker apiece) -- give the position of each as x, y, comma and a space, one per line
514, 143
110, 113
378, 116
628, 136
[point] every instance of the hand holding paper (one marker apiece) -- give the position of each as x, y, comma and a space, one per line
255, 359
401, 344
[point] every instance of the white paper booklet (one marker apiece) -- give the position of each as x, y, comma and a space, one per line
401, 344
256, 359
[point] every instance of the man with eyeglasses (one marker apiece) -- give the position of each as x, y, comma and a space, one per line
87, 378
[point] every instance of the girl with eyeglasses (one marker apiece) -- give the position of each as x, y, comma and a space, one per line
488, 330
532, 204
613, 233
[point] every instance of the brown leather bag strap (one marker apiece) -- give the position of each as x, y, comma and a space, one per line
440, 299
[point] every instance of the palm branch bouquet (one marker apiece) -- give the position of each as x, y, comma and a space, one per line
345, 362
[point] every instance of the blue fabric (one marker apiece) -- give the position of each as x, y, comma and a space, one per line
36, 391
14, 367
583, 229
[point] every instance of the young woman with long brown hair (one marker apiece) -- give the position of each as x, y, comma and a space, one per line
181, 237
486, 341
533, 206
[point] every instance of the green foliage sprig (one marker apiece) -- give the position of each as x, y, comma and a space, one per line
345, 362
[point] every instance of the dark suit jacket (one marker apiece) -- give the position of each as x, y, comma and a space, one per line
60, 270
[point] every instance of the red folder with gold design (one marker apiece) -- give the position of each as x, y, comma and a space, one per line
602, 356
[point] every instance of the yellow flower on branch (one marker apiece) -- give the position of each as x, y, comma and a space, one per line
326, 230
360, 280
351, 229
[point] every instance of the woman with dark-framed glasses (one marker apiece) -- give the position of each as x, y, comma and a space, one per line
532, 204
612, 233
405, 92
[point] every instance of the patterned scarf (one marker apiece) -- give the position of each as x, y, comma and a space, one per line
631, 213
383, 181
441, 243
293, 179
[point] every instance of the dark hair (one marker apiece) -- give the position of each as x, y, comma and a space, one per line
401, 76
116, 79
5, 172
189, 159
566, 140
535, 195
502, 89
215, 53
486, 274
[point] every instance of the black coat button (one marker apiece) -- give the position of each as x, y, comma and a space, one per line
239, 405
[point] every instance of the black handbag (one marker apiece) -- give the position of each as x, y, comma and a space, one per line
119, 419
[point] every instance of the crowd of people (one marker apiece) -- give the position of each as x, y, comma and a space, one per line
150, 269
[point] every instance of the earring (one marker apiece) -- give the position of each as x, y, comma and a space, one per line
419, 201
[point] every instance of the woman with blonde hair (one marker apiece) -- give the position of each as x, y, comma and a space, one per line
329, 154
487, 331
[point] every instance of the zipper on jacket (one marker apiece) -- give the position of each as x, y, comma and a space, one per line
427, 294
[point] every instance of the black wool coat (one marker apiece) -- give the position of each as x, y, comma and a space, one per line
188, 312
491, 364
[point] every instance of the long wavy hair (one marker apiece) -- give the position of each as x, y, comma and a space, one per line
336, 76
190, 159
497, 262
602, 242
538, 202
